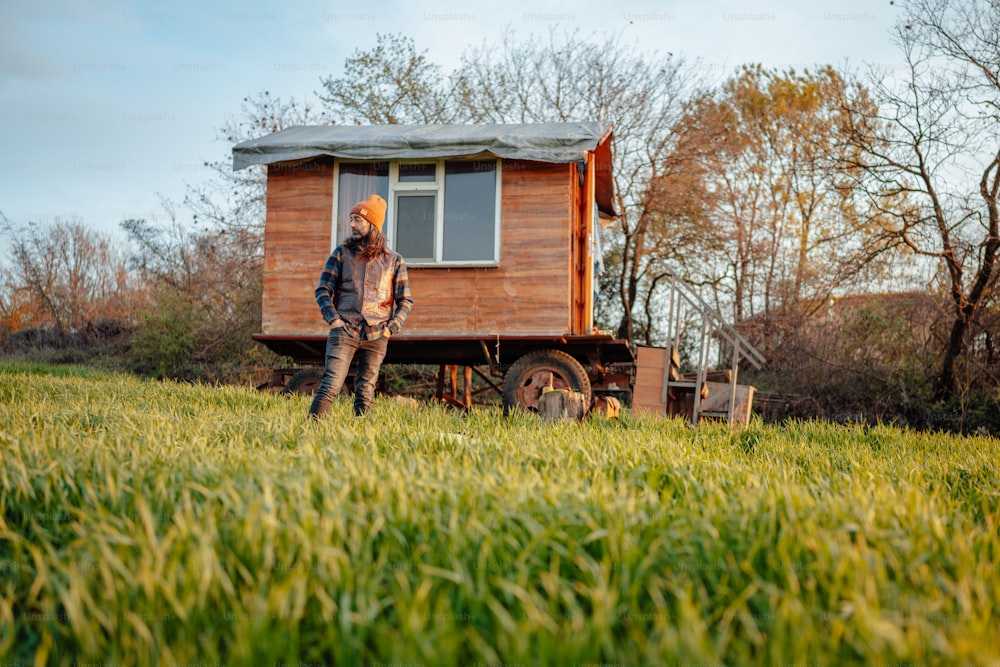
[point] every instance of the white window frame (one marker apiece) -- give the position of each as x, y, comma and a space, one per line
437, 187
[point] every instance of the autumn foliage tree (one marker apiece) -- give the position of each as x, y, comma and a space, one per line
780, 220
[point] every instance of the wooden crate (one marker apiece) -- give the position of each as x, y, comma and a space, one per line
647, 393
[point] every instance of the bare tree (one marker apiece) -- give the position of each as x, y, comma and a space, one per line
64, 275
205, 271
555, 78
930, 157
390, 84
206, 299
567, 78
234, 200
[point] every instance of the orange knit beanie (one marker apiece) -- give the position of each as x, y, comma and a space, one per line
372, 210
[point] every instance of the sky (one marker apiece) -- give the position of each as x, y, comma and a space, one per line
110, 107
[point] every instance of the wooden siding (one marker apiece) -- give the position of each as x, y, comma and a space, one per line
296, 246
528, 293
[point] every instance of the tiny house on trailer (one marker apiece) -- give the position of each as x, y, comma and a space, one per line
499, 228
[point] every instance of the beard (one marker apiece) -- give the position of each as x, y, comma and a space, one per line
370, 245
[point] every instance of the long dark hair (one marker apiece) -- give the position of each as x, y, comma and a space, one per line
369, 247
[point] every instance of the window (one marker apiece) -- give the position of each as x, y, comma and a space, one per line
356, 181
441, 212
415, 222
470, 198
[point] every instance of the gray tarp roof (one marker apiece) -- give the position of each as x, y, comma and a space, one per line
544, 142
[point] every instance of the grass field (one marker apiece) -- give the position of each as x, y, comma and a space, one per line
156, 523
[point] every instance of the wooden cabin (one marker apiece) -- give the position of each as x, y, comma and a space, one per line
498, 226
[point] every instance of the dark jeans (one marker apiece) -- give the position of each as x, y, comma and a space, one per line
341, 348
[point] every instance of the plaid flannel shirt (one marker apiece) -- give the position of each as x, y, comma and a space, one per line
329, 281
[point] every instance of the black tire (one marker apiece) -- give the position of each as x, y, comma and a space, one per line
523, 383
305, 382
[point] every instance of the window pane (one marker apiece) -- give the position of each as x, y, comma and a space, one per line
359, 180
416, 173
470, 190
415, 226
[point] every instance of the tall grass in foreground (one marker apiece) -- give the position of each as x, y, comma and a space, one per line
156, 523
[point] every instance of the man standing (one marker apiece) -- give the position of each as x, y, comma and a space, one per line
364, 295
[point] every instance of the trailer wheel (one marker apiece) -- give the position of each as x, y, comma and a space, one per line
305, 381
529, 375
